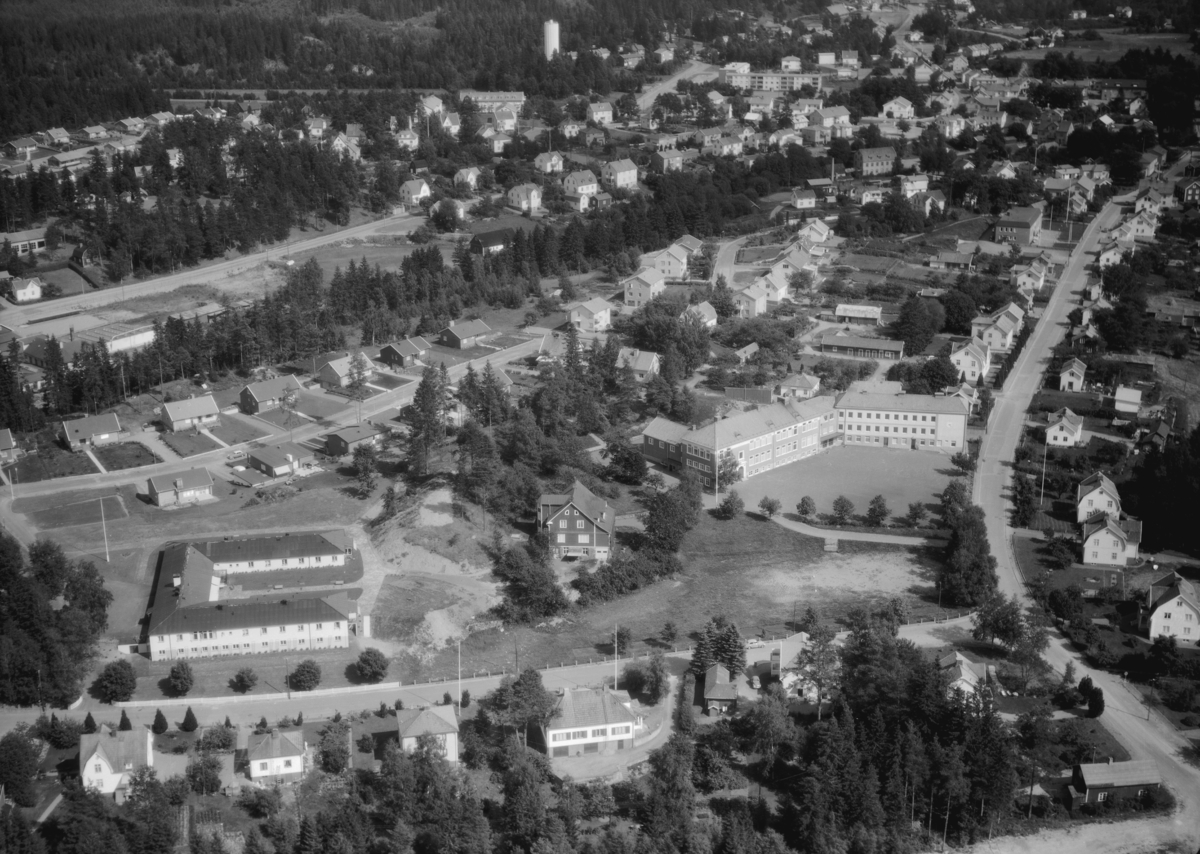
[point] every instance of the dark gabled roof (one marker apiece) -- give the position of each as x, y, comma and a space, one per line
1132, 773
498, 237
7, 443
119, 748
274, 745
436, 720
85, 428
192, 407
1020, 216
355, 433
717, 685
272, 546
582, 499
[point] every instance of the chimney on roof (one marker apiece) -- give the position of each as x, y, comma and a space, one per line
176, 580
72, 333
1110, 760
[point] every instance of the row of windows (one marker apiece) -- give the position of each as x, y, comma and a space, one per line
886, 416
264, 766
875, 440
246, 646
299, 560
1187, 616
562, 523
600, 732
701, 467
702, 453
245, 632
581, 538
867, 429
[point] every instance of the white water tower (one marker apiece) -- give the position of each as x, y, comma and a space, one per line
550, 38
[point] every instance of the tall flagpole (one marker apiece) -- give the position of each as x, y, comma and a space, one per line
616, 654
104, 527
460, 694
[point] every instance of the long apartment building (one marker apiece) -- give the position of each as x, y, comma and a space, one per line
760, 439
767, 81
195, 613
766, 437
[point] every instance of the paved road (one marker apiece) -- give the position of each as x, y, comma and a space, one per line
858, 536
1145, 735
16, 316
726, 261
694, 70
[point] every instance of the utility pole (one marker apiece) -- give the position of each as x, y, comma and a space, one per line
1042, 493
460, 693
104, 527
616, 655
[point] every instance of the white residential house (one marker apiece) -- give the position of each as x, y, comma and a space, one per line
600, 112
276, 757
548, 162
1064, 429
431, 105
1172, 609
192, 413
751, 302
1096, 494
910, 185
26, 290
414, 191
437, 722
342, 144
972, 358
643, 286
108, 758
1070, 377
581, 183
468, 177
620, 174
594, 315
804, 199
672, 262
1127, 400
1109, 541
525, 197
644, 363
898, 108
704, 313
407, 140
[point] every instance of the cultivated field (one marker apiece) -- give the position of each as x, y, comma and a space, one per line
125, 455
1112, 46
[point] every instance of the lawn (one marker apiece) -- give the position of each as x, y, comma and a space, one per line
750, 570
236, 429
390, 381
281, 418
860, 474
80, 512
317, 406
125, 455
188, 444
50, 461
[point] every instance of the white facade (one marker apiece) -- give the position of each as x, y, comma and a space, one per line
550, 39
108, 757
643, 287
296, 637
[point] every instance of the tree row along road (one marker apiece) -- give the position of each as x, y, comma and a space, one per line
1144, 734
17, 316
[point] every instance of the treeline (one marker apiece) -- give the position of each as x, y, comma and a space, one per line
52, 614
106, 66
1163, 489
967, 575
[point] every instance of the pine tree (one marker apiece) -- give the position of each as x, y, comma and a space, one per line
189, 721
125, 724
89, 724
160, 723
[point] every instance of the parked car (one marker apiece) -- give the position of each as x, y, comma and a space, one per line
754, 643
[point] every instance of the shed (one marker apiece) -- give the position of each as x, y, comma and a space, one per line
720, 695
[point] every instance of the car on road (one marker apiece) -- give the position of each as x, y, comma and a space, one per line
236, 455
754, 643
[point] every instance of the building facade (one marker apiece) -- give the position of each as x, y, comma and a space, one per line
907, 421
579, 523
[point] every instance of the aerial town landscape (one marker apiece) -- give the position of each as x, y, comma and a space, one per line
489, 427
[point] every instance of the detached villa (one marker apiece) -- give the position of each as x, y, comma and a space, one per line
108, 758
579, 523
592, 720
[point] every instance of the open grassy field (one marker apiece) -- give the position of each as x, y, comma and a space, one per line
1112, 46
389, 381
125, 455
860, 474
750, 570
235, 429
188, 444
80, 512
318, 406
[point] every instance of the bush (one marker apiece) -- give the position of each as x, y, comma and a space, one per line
245, 680
181, 678
365, 743
466, 698
260, 803
731, 505
116, 682
372, 665
217, 739
807, 507
306, 676
769, 506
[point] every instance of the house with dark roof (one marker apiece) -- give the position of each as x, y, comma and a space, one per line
465, 335
579, 523
592, 720
276, 757
1104, 782
191, 414
1109, 541
280, 460
167, 490
108, 758
266, 395
404, 354
437, 722
843, 344
1172, 609
339, 443
491, 242
720, 694
193, 612
661, 441
1022, 226
95, 430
